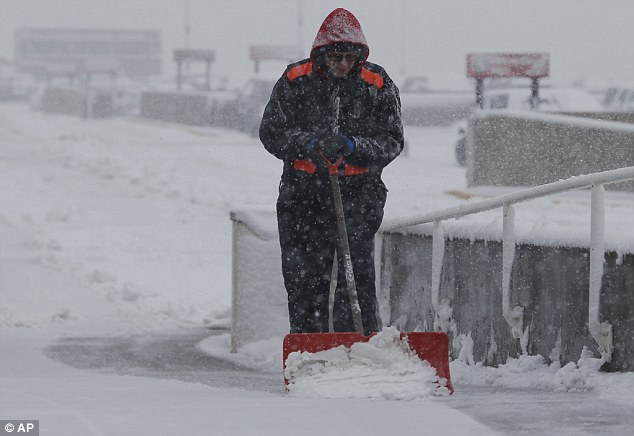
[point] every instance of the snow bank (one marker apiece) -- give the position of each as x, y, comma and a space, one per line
384, 367
532, 372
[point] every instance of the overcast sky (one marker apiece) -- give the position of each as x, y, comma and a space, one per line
589, 39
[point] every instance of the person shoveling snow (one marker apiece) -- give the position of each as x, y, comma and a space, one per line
334, 120
384, 367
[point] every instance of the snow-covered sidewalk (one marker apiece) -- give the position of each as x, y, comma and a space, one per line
120, 227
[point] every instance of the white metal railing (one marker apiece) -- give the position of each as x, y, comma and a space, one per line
600, 331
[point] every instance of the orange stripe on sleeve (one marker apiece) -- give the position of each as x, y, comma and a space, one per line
305, 165
372, 78
353, 170
300, 70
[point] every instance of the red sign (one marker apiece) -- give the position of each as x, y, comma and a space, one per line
499, 65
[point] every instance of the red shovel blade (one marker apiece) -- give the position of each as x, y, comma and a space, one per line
430, 346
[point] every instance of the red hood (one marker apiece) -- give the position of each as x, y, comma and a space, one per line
340, 26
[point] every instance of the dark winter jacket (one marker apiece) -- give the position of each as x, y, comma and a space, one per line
302, 106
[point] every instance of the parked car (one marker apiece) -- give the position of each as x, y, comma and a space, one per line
619, 99
247, 109
101, 98
15, 86
222, 107
435, 100
415, 84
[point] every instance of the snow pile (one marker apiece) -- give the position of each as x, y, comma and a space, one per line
524, 374
532, 372
384, 367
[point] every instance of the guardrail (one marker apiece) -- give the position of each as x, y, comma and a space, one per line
600, 331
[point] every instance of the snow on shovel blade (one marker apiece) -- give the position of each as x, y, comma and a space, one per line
432, 347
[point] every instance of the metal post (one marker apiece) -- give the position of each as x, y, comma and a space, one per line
179, 74
188, 29
208, 76
535, 93
513, 316
234, 284
85, 106
437, 255
441, 320
480, 93
600, 331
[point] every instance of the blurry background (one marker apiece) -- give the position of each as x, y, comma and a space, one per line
587, 39
215, 62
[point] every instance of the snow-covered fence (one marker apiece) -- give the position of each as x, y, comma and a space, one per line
258, 300
513, 314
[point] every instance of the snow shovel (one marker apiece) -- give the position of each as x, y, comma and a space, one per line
430, 346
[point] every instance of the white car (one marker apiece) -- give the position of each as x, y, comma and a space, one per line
248, 107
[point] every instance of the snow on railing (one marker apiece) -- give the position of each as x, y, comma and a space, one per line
600, 331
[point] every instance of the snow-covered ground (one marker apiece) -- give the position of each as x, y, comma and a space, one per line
115, 262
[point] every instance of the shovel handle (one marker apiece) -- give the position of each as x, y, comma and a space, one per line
344, 246
333, 167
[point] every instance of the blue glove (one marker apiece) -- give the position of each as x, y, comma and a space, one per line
350, 146
333, 147
310, 145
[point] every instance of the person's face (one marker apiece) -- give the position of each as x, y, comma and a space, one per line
340, 63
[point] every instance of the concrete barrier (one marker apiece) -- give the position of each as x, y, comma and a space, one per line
61, 100
177, 107
550, 283
96, 103
528, 149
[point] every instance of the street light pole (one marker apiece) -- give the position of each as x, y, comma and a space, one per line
402, 50
188, 28
300, 27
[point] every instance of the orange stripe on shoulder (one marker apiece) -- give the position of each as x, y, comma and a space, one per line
372, 78
300, 70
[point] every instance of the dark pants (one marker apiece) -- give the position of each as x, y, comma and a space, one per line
308, 239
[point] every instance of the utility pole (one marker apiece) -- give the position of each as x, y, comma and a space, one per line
300, 28
402, 35
188, 29
188, 32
